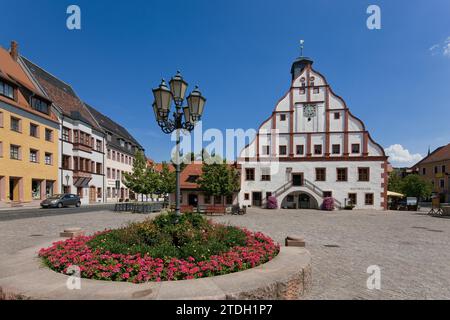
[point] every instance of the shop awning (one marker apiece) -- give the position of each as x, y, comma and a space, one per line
395, 194
81, 182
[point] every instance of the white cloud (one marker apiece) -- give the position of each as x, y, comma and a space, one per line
447, 47
441, 48
401, 157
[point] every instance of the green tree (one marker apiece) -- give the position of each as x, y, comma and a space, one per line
151, 181
415, 186
219, 179
395, 182
166, 181
136, 181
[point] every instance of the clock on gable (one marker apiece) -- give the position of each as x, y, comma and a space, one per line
309, 111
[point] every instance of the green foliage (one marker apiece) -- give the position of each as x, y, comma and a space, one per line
141, 179
166, 181
193, 236
415, 186
412, 185
219, 179
395, 182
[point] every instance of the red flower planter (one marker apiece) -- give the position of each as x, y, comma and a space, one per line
138, 268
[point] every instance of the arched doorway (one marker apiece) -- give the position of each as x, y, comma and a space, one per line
299, 200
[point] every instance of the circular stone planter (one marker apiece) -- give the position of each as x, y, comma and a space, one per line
287, 276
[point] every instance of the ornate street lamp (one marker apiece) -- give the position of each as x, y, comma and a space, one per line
192, 113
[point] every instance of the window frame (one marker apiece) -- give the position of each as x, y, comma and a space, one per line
39, 105
34, 127
19, 124
320, 148
350, 195
333, 150
3, 91
280, 148
36, 156
302, 147
48, 156
321, 174
359, 148
65, 134
47, 137
366, 178
372, 199
249, 174
17, 152
339, 176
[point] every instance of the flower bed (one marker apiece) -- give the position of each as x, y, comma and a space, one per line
161, 250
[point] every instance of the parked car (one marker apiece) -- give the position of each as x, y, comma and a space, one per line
61, 200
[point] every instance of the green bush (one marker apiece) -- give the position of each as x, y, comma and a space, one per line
193, 236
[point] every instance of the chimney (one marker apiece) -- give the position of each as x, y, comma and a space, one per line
14, 50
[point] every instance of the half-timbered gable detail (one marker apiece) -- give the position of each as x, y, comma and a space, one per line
312, 129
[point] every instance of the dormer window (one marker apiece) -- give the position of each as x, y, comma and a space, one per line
122, 143
39, 105
108, 136
6, 90
192, 178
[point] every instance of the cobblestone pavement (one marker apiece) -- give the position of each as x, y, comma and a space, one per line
20, 234
411, 249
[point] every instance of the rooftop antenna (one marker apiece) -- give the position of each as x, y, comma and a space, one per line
302, 42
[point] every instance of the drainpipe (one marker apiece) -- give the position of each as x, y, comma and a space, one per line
103, 169
61, 155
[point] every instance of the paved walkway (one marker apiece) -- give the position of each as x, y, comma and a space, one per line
20, 234
412, 249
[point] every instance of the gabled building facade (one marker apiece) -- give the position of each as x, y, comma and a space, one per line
28, 136
312, 147
81, 139
121, 148
435, 168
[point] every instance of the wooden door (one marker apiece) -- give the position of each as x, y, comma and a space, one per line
92, 195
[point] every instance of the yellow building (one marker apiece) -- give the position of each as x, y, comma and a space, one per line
28, 137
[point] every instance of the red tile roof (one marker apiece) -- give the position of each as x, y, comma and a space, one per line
11, 71
188, 175
440, 154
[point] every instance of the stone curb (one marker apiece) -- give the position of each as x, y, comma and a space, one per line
288, 276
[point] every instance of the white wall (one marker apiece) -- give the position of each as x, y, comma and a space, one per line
317, 128
340, 190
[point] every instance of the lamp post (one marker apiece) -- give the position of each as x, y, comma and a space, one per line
183, 117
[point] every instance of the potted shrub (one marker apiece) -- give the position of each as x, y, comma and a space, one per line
272, 203
328, 204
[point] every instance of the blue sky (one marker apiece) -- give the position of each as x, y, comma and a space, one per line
240, 53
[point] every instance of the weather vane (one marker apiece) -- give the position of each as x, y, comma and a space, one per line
302, 42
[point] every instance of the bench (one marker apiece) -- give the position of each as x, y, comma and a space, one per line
215, 210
